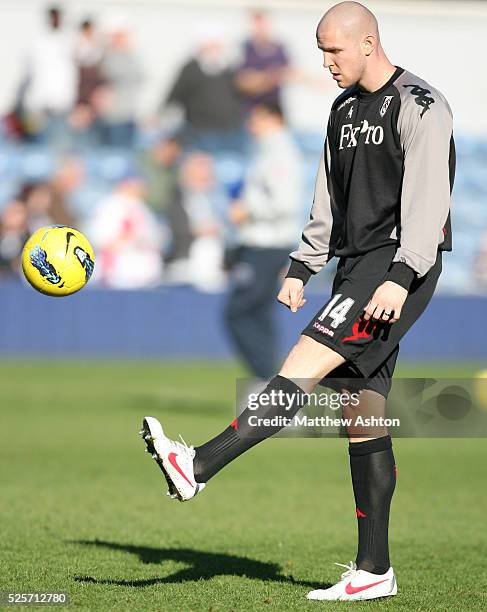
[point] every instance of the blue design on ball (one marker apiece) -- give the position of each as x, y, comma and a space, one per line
38, 258
86, 261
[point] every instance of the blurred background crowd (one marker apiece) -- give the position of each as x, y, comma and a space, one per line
165, 198
173, 195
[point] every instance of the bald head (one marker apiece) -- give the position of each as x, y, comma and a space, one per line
348, 35
352, 19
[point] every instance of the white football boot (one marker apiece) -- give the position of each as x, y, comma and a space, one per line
174, 458
358, 585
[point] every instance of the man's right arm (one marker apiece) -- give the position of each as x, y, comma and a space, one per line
314, 248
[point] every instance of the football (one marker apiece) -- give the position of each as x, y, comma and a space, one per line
58, 260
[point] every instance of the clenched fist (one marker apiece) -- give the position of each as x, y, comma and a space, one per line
291, 294
386, 303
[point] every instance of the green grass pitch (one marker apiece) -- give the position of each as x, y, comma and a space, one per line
83, 508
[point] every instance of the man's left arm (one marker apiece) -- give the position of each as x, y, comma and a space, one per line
425, 133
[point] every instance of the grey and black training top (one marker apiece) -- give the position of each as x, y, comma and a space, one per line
385, 177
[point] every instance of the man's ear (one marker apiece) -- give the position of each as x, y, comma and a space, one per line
369, 44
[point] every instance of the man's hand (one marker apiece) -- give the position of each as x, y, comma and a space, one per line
386, 303
291, 294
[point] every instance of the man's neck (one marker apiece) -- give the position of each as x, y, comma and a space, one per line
377, 77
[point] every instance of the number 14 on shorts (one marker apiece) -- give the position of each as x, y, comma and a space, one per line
337, 310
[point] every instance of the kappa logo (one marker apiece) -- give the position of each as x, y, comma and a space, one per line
385, 105
349, 134
323, 330
347, 101
350, 113
422, 98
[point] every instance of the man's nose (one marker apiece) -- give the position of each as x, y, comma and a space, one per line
327, 60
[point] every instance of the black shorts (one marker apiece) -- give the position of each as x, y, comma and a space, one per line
370, 348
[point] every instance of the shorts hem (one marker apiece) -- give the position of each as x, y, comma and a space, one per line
364, 372
352, 358
338, 349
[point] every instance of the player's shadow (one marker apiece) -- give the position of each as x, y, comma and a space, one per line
202, 565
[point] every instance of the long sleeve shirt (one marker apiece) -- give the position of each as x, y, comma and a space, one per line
385, 177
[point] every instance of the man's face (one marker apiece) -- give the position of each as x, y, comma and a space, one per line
260, 27
342, 56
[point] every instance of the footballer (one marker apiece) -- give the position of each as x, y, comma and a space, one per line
382, 207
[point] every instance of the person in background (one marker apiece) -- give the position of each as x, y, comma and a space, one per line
88, 54
194, 217
68, 178
160, 167
267, 220
127, 238
45, 206
50, 83
37, 205
204, 205
13, 235
116, 100
265, 64
206, 92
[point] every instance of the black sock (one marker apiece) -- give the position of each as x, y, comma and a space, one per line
374, 478
242, 435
